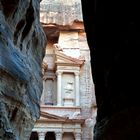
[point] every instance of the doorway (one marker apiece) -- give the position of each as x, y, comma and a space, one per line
34, 136
50, 136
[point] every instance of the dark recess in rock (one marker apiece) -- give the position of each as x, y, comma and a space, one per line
113, 33
29, 20
19, 26
14, 114
9, 6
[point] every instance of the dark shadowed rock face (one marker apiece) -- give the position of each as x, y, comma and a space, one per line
21, 52
113, 32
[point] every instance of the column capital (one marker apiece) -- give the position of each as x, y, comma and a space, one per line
76, 73
59, 72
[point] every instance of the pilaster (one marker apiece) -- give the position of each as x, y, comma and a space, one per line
77, 88
58, 135
41, 135
59, 88
77, 136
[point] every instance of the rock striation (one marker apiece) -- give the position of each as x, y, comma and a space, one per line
21, 52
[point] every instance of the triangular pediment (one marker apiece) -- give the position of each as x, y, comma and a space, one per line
62, 58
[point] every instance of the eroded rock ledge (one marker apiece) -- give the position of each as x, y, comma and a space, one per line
21, 53
60, 12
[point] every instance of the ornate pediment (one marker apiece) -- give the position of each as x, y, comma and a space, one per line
62, 58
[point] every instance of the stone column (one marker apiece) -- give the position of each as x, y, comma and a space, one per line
49, 92
58, 135
77, 96
77, 136
59, 88
41, 135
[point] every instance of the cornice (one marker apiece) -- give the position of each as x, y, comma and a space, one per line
47, 117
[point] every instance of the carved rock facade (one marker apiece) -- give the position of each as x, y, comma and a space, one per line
21, 53
68, 106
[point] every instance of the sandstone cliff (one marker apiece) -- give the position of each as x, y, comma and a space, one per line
60, 12
21, 53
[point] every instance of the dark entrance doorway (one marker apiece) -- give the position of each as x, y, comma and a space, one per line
34, 136
50, 136
68, 136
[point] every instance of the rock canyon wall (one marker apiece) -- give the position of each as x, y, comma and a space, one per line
21, 53
113, 35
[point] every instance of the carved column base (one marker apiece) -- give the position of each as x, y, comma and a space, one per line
77, 136
68, 101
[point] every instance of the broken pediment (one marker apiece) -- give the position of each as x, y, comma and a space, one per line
44, 116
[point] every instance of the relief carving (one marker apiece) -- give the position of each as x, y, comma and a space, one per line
69, 90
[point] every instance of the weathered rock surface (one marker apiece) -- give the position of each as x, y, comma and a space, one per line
21, 53
61, 12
